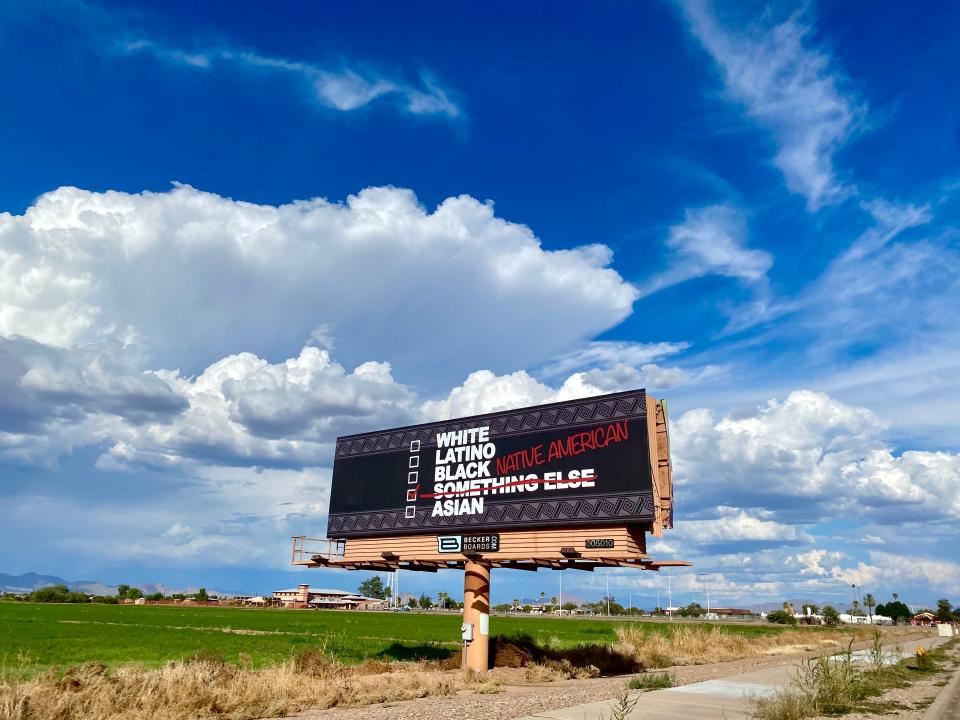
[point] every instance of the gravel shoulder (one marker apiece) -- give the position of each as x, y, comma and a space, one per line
518, 698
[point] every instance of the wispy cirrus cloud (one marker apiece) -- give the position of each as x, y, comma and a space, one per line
605, 354
711, 240
789, 87
342, 88
347, 85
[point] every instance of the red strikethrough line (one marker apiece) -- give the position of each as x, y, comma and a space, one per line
497, 487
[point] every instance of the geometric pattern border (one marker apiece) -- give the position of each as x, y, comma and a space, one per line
607, 509
567, 414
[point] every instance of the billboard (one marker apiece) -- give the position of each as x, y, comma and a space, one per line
576, 463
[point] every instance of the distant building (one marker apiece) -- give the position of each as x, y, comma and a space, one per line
728, 614
304, 596
865, 619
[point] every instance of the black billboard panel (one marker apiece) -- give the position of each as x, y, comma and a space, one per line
575, 463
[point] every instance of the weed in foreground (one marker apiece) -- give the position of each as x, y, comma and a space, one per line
651, 681
622, 705
784, 704
835, 686
876, 653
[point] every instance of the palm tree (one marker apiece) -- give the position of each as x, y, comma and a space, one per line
788, 607
543, 597
856, 608
896, 597
869, 603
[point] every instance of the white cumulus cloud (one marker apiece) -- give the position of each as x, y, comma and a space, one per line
734, 525
193, 277
243, 410
814, 449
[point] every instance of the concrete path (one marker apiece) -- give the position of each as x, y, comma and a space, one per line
947, 705
721, 699
952, 710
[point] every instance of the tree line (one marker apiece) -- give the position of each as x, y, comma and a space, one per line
895, 610
63, 594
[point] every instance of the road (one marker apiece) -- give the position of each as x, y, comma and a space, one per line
953, 708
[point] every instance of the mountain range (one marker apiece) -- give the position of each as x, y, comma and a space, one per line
30, 581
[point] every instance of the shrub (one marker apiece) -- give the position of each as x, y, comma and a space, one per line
784, 704
822, 686
537, 673
781, 617
205, 657
315, 662
651, 681
57, 594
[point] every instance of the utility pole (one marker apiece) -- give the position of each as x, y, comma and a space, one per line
560, 596
669, 597
607, 576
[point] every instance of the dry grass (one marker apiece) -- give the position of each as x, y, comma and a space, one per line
701, 645
540, 673
204, 687
208, 688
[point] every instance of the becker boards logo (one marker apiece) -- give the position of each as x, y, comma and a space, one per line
449, 543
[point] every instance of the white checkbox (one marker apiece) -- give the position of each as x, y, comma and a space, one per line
414, 446
411, 478
414, 461
411, 511
412, 495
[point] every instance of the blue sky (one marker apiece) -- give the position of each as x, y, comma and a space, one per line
229, 233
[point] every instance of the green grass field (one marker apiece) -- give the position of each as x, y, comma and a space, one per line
45, 635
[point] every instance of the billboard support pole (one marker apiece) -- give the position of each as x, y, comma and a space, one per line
476, 614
